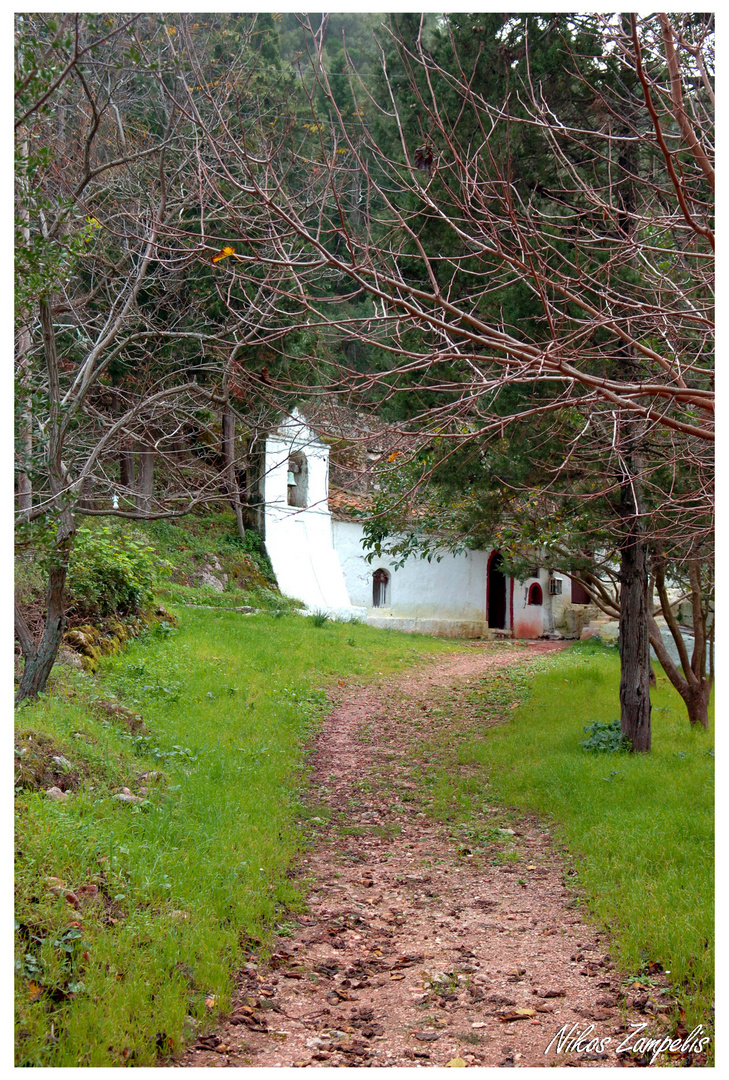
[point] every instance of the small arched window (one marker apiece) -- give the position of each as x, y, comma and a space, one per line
380, 588
297, 481
535, 594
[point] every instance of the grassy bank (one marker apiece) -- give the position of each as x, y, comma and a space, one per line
640, 826
132, 916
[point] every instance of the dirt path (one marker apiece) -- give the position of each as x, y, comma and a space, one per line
417, 950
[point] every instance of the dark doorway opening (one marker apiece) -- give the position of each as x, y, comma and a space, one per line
496, 596
579, 594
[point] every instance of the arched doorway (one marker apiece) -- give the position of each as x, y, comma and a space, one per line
496, 593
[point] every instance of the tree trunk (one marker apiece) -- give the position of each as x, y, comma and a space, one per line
25, 493
85, 500
635, 665
691, 681
25, 485
145, 481
231, 479
126, 470
697, 705
635, 657
39, 659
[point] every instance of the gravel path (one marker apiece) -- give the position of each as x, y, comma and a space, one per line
416, 950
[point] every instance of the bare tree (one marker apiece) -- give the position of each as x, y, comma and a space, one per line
115, 345
617, 253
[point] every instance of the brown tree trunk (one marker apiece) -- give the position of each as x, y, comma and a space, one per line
635, 657
25, 485
697, 705
635, 664
691, 681
39, 659
126, 469
230, 473
85, 500
145, 480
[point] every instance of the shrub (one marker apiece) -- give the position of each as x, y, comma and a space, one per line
604, 737
111, 571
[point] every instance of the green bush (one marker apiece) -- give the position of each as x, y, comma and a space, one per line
604, 737
112, 571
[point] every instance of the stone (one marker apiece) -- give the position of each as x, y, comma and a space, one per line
56, 793
207, 578
63, 762
68, 658
126, 796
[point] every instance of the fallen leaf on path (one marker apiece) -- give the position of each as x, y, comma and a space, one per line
207, 1042
518, 1014
457, 1063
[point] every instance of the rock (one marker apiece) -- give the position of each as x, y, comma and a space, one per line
62, 762
88, 892
68, 658
126, 796
207, 578
56, 793
246, 609
67, 895
609, 632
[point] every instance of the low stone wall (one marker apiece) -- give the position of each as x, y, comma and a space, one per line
92, 642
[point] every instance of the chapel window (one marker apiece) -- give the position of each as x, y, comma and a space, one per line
380, 588
535, 593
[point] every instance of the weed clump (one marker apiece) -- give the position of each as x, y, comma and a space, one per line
605, 738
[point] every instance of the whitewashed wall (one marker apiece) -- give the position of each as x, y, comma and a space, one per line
452, 589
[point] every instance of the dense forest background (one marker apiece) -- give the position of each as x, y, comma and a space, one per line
492, 232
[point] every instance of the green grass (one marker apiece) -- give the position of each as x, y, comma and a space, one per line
640, 826
193, 875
